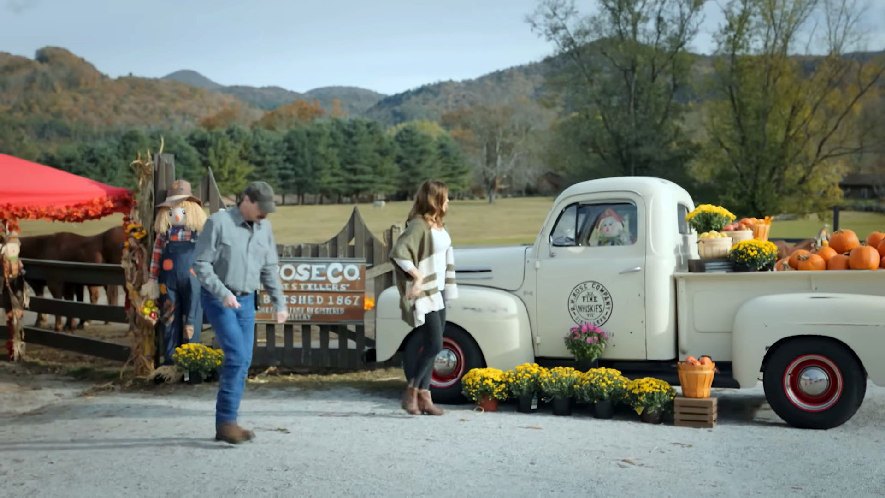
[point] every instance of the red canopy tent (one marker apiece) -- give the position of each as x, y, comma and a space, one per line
33, 191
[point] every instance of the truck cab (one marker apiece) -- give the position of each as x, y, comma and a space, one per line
624, 283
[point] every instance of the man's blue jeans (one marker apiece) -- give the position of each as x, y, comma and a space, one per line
235, 332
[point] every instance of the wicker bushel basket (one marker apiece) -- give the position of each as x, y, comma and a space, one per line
696, 380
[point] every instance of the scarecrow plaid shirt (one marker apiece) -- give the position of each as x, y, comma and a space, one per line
181, 234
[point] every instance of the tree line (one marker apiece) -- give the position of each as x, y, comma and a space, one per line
321, 160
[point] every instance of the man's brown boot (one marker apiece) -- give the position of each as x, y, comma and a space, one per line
230, 432
410, 401
425, 404
247, 434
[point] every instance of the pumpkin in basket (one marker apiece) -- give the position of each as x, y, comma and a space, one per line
696, 376
826, 252
838, 262
875, 238
811, 262
795, 255
844, 240
863, 258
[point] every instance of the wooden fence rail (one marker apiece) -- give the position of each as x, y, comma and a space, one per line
77, 273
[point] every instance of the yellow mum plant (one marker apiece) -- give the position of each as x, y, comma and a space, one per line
559, 382
599, 384
484, 382
707, 217
650, 394
525, 379
194, 356
755, 254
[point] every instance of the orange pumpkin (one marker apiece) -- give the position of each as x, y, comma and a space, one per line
864, 258
826, 252
838, 262
881, 248
783, 264
795, 255
811, 262
874, 238
844, 240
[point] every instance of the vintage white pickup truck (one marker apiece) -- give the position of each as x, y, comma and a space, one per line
815, 337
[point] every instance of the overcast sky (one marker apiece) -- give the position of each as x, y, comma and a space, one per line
385, 45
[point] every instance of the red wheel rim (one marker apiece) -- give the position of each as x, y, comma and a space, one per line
448, 366
813, 383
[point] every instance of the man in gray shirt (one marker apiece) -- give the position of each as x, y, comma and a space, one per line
235, 254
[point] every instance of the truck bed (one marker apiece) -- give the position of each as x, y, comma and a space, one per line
706, 303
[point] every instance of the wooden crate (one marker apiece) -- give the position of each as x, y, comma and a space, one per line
694, 412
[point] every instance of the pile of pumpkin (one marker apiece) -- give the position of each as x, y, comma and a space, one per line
843, 251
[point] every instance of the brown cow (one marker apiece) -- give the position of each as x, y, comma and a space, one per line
105, 247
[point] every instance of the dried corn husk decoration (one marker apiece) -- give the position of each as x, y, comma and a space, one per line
136, 257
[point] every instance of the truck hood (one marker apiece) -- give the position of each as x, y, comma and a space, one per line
499, 267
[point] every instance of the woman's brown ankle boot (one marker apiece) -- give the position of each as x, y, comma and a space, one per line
425, 403
410, 401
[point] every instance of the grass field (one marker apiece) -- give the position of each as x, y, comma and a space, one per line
471, 223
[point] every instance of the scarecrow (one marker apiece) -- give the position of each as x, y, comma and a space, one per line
178, 223
610, 230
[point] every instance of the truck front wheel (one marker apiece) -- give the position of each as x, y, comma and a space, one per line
814, 383
459, 354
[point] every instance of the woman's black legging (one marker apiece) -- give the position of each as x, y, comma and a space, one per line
431, 334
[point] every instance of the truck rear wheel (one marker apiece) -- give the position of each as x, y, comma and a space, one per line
459, 354
814, 383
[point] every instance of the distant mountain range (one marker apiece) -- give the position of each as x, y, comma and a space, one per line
426, 102
354, 101
58, 95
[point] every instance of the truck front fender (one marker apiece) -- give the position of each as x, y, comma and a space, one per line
857, 321
497, 320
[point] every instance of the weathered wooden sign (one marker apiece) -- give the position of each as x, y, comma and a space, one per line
319, 291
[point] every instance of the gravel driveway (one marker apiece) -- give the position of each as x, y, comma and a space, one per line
58, 438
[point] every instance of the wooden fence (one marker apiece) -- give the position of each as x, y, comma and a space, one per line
78, 273
312, 347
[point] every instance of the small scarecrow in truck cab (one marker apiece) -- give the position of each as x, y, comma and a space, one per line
610, 230
178, 222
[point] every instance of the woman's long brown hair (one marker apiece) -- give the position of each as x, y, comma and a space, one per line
429, 202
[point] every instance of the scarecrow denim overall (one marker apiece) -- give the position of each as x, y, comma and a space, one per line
180, 291
235, 333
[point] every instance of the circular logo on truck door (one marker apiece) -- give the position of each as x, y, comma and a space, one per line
590, 302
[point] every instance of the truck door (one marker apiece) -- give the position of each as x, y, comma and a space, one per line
590, 268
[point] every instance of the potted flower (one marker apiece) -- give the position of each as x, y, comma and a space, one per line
753, 255
587, 342
523, 383
485, 387
651, 398
198, 360
708, 221
558, 385
707, 217
602, 387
